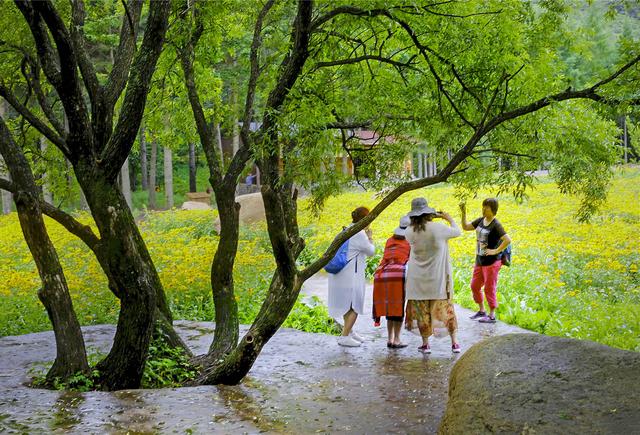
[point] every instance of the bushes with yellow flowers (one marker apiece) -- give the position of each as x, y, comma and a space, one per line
182, 245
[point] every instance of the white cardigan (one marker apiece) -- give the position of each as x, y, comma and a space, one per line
429, 266
346, 288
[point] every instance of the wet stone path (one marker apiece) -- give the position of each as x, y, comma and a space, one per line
301, 383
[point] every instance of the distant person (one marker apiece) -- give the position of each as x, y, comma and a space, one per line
389, 283
429, 275
249, 179
491, 240
346, 288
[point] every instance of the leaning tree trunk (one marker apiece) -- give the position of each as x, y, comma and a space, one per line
133, 279
222, 285
71, 356
283, 291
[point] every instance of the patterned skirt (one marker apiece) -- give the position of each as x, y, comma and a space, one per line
427, 314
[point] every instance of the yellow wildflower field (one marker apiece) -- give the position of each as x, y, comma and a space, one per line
567, 278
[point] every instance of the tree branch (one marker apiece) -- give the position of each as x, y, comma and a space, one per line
83, 232
86, 67
424, 50
34, 120
33, 78
353, 60
587, 93
124, 54
187, 58
117, 149
454, 162
254, 73
65, 79
44, 49
345, 10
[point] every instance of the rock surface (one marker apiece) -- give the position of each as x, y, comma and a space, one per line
529, 383
301, 384
251, 208
194, 205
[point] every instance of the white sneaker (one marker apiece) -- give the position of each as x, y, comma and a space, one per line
348, 342
357, 337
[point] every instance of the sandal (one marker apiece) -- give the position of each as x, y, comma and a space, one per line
488, 319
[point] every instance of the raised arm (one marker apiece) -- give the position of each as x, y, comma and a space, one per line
454, 230
463, 218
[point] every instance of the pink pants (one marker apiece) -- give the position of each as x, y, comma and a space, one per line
487, 276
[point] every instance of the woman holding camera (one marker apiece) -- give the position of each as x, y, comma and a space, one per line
429, 277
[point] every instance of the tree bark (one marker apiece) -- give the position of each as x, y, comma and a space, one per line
71, 356
153, 168
192, 168
135, 281
168, 177
222, 285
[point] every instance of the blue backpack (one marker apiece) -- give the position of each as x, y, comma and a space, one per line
506, 256
340, 260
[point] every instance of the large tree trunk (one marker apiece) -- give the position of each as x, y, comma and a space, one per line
135, 281
222, 285
168, 177
153, 168
143, 160
71, 356
192, 168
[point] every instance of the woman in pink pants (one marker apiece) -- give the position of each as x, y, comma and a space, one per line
492, 239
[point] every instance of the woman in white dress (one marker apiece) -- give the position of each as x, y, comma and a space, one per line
346, 288
429, 279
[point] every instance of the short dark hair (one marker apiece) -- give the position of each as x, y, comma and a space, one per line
492, 203
359, 213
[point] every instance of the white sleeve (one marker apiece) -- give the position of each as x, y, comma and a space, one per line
361, 243
451, 231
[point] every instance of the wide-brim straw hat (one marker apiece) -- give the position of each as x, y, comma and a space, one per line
419, 206
402, 228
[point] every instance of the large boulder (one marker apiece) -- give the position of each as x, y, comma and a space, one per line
529, 383
251, 209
